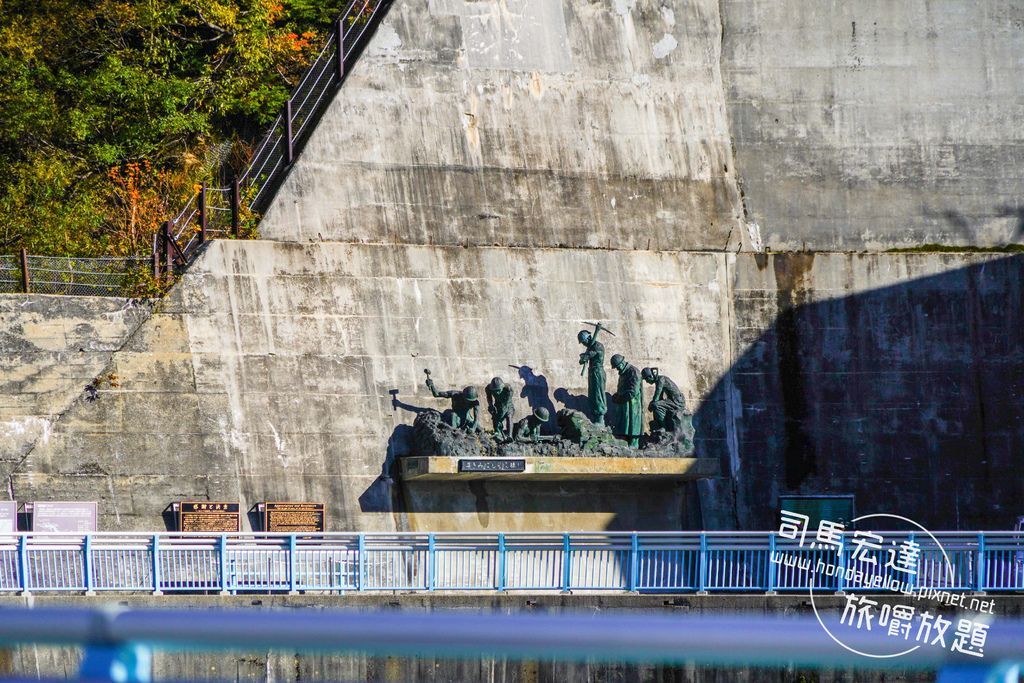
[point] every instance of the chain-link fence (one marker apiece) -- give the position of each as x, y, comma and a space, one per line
10, 274
71, 275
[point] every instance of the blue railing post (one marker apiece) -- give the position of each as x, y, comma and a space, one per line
156, 565
361, 568
912, 578
634, 562
770, 575
23, 563
702, 577
979, 574
87, 565
222, 547
501, 562
431, 562
566, 563
292, 566
841, 559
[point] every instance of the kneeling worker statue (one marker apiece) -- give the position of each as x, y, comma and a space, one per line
501, 407
465, 406
667, 405
528, 429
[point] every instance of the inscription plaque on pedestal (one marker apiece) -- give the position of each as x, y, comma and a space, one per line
62, 516
290, 517
208, 516
8, 516
493, 465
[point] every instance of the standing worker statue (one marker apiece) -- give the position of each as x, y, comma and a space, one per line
630, 396
667, 404
501, 408
593, 359
465, 406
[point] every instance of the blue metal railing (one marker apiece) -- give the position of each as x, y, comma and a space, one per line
748, 562
119, 644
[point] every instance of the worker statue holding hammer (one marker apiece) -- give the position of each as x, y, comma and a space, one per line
593, 360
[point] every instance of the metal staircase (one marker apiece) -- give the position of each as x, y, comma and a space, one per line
229, 211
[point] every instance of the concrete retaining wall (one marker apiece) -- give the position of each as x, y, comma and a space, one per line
869, 125
268, 374
898, 378
638, 124
51, 347
525, 123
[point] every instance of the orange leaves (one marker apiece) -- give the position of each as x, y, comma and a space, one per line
299, 42
138, 193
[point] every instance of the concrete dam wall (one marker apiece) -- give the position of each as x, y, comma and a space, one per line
287, 371
491, 175
673, 124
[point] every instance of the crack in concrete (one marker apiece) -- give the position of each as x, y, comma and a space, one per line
744, 211
150, 307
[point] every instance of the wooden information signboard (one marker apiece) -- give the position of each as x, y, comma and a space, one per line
290, 517
208, 516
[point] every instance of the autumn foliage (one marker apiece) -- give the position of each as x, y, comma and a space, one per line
114, 111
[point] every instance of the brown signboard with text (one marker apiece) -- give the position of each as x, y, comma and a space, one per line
207, 515
291, 517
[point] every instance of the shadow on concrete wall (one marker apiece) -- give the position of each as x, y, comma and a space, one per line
536, 392
910, 396
554, 505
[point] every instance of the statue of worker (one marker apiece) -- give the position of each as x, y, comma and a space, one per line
630, 396
465, 406
528, 429
667, 404
593, 358
501, 408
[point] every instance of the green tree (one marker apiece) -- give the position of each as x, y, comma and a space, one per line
114, 110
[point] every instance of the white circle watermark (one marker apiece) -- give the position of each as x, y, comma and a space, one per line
912, 569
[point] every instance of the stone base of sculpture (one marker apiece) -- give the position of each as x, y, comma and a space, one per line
577, 437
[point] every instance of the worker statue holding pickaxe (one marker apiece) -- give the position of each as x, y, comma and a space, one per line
593, 359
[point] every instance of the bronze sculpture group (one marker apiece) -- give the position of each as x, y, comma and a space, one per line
667, 405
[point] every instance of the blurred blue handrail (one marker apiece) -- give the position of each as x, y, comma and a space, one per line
658, 562
118, 643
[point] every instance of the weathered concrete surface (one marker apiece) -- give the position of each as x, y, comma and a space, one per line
266, 375
873, 124
525, 122
849, 126
51, 347
899, 378
262, 666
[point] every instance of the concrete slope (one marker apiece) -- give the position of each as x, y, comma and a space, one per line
288, 371
525, 123
636, 124
875, 124
268, 374
51, 347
